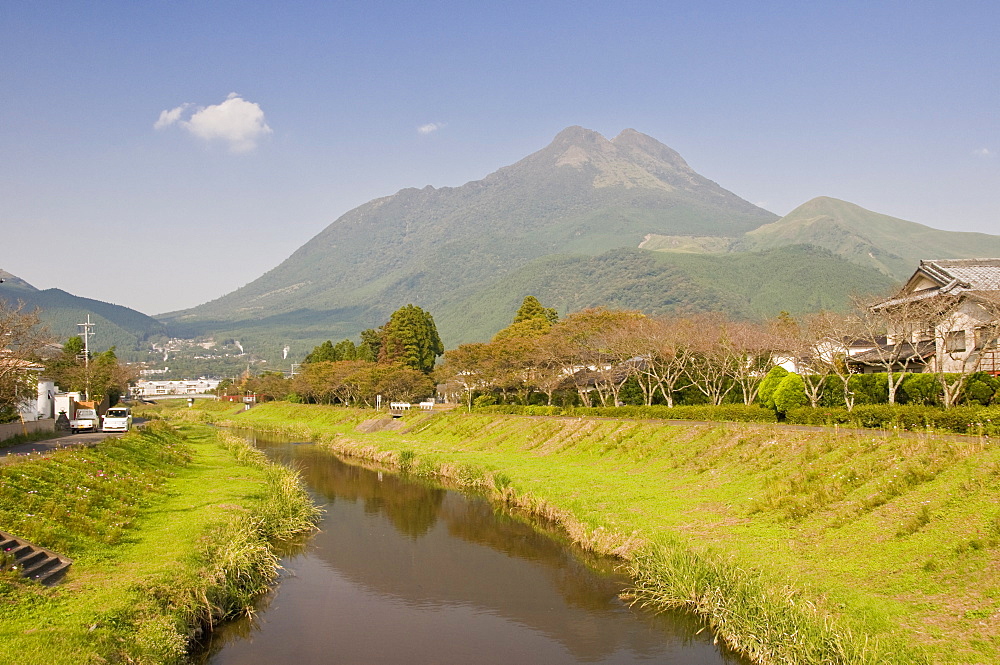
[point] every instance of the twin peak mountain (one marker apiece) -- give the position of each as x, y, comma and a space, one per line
573, 224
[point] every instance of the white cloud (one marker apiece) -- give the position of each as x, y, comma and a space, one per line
168, 118
982, 152
236, 122
429, 128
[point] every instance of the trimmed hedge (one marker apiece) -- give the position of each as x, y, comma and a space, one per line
913, 417
960, 419
723, 412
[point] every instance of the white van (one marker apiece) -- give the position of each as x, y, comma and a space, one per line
117, 419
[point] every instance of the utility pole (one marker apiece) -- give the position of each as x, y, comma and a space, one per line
86, 330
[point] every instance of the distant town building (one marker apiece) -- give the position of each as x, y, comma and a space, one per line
180, 387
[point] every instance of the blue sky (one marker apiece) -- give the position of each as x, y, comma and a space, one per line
121, 138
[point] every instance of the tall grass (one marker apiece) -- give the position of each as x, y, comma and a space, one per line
285, 510
767, 620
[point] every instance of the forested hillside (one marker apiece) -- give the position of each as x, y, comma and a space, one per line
115, 325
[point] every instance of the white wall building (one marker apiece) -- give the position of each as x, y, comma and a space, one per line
179, 387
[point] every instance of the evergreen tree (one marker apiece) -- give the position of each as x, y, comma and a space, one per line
531, 308
321, 354
410, 338
790, 393
330, 352
371, 344
765, 394
345, 350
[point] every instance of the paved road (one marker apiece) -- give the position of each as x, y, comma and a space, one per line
48, 445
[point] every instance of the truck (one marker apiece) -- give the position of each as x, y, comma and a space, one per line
117, 419
85, 420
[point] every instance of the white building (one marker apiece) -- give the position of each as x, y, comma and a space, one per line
946, 317
179, 387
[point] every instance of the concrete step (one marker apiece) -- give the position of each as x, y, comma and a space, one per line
33, 562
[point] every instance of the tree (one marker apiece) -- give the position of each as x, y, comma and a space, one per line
896, 329
67, 369
410, 338
582, 350
21, 339
765, 392
532, 309
715, 358
790, 393
752, 348
404, 384
371, 344
964, 331
655, 352
345, 350
323, 353
271, 384
108, 376
330, 352
823, 350
467, 367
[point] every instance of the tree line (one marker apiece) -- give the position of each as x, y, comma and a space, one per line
608, 357
395, 361
603, 357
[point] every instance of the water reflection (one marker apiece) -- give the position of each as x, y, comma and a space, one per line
405, 572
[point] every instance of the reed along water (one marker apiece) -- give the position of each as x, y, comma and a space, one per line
403, 571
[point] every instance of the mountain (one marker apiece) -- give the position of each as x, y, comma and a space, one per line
585, 221
582, 195
115, 325
892, 246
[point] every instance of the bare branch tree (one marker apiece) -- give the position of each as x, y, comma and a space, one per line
21, 339
898, 330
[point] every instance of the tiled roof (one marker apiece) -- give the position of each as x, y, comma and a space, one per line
967, 274
904, 352
953, 277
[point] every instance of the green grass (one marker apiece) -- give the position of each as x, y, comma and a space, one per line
865, 548
169, 530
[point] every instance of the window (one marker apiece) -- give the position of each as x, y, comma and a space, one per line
986, 337
954, 341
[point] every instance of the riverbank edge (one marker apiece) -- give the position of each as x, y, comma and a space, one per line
755, 613
184, 565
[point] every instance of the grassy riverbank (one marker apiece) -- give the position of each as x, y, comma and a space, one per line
169, 529
795, 546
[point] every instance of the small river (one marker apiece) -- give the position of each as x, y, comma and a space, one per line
403, 571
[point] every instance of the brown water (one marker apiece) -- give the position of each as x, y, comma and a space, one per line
406, 572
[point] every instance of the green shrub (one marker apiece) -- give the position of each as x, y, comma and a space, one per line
922, 388
869, 388
723, 412
790, 393
981, 388
765, 394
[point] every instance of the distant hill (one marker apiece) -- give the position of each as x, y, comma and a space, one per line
116, 325
892, 246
